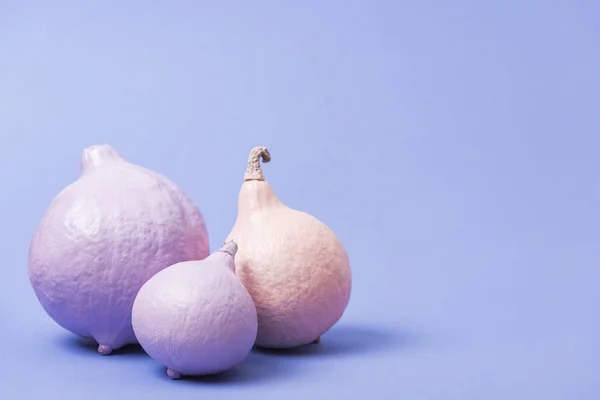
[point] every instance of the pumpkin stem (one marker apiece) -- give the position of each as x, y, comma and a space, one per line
230, 248
254, 172
97, 155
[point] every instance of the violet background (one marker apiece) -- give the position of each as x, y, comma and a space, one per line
453, 146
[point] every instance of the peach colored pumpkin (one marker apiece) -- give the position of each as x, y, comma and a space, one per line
292, 264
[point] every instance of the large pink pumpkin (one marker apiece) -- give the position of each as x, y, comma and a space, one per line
103, 237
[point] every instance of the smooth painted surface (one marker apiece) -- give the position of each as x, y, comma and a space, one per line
452, 146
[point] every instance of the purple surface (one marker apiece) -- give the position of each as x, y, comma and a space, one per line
452, 146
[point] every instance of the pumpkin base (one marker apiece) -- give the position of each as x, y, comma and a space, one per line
104, 349
173, 374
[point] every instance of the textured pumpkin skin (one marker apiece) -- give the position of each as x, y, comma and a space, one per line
293, 265
196, 317
102, 238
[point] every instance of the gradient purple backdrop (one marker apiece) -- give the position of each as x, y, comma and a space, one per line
453, 146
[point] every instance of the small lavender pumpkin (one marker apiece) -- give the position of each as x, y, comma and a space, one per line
196, 317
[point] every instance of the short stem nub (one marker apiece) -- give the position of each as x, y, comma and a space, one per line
230, 248
104, 349
97, 155
254, 172
173, 374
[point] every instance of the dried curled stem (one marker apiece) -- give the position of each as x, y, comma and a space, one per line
254, 171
